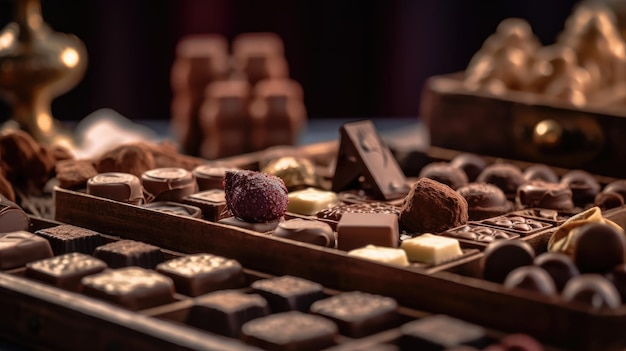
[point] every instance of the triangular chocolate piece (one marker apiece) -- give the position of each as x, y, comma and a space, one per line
363, 154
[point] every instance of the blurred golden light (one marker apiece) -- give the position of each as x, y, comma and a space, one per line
70, 57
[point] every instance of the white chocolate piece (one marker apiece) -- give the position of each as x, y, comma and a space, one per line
431, 249
381, 254
309, 201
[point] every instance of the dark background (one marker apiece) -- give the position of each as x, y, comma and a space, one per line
353, 58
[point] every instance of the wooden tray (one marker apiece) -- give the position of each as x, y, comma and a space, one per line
566, 325
43, 317
504, 126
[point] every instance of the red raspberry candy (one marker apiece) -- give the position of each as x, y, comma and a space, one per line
254, 196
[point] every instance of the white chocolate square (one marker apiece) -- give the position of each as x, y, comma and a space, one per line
431, 249
309, 201
381, 254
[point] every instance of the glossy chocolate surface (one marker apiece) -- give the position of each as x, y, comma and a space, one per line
593, 290
479, 233
21, 247
517, 224
123, 187
168, 184
503, 256
541, 172
505, 176
445, 173
335, 212
471, 164
599, 248
308, 231
538, 193
12, 217
533, 278
484, 200
584, 186
560, 267
65, 271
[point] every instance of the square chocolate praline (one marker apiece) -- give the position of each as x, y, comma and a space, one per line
134, 288
211, 202
290, 331
439, 332
356, 230
358, 314
67, 238
225, 312
199, 274
288, 293
124, 253
21, 247
65, 271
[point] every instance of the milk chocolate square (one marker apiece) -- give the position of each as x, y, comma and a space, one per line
288, 293
356, 230
440, 332
125, 253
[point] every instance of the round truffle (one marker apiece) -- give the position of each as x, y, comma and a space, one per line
540, 194
616, 186
532, 278
560, 267
593, 290
541, 172
501, 257
210, 177
484, 200
168, 184
445, 173
584, 186
505, 176
135, 158
123, 187
608, 200
471, 164
254, 196
599, 248
432, 207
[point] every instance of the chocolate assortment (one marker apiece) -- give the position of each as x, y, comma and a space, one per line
212, 302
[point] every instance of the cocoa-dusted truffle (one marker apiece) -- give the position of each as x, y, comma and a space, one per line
74, 173
254, 196
432, 207
133, 158
484, 200
24, 161
505, 176
445, 173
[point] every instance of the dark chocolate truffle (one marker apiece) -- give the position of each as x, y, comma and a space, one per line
445, 173
210, 177
505, 176
133, 158
533, 278
616, 186
541, 172
471, 164
593, 290
538, 193
432, 207
484, 200
254, 196
608, 200
503, 256
599, 248
560, 267
584, 186
74, 173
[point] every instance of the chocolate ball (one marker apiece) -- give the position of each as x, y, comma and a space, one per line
135, 158
168, 184
445, 173
471, 164
608, 200
599, 248
592, 289
505, 176
616, 186
484, 200
432, 207
618, 277
560, 267
541, 172
532, 278
503, 256
584, 186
